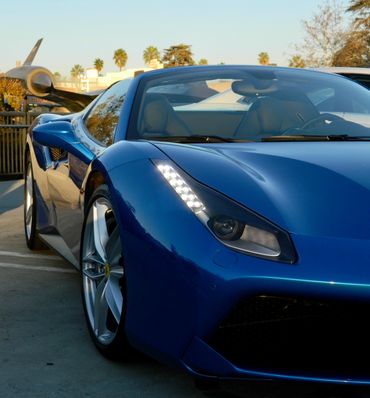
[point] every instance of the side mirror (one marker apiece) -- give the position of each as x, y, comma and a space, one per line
61, 135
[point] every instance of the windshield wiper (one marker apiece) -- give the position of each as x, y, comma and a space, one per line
313, 137
195, 139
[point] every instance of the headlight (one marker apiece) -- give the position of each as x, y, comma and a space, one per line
232, 224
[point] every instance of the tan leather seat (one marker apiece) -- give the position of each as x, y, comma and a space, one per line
272, 115
159, 118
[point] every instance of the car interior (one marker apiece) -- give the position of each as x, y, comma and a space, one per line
272, 108
159, 116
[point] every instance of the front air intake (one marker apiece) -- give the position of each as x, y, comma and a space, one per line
297, 336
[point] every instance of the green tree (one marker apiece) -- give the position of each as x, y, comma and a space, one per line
76, 71
359, 5
57, 77
356, 49
325, 34
263, 58
203, 61
296, 61
120, 58
178, 55
99, 64
361, 9
12, 94
355, 52
150, 53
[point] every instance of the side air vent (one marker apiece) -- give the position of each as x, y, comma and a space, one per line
57, 154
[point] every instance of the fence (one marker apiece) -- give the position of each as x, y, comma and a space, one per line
13, 129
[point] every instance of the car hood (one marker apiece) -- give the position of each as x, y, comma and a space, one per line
307, 188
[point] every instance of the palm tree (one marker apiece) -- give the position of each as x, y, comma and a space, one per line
99, 64
150, 53
120, 58
76, 71
296, 61
263, 58
57, 76
178, 55
361, 8
203, 61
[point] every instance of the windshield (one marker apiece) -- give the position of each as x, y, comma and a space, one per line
251, 104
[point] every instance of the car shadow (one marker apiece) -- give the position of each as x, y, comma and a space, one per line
266, 389
256, 388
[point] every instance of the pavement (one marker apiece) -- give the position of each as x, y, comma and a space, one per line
45, 349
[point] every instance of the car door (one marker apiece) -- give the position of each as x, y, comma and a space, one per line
95, 130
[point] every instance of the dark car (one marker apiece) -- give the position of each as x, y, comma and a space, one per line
359, 75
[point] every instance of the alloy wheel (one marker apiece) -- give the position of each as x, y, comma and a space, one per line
102, 271
28, 203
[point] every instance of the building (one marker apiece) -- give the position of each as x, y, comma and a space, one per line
92, 81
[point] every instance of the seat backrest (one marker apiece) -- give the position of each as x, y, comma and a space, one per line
264, 116
276, 113
158, 117
298, 108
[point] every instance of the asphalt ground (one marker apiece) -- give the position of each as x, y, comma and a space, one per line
45, 349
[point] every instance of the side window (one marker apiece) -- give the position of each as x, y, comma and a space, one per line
102, 120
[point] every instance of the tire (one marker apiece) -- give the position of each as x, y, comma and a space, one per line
103, 279
30, 210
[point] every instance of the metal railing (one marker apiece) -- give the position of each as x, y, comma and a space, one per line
13, 130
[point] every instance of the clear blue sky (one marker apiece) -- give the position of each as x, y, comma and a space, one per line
78, 31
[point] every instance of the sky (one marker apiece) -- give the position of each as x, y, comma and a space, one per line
78, 32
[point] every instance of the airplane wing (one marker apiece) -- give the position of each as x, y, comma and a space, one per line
32, 54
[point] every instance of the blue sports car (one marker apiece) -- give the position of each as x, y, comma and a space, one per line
220, 217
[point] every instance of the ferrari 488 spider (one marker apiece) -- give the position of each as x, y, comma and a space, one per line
220, 217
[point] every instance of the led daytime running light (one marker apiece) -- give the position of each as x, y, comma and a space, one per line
181, 187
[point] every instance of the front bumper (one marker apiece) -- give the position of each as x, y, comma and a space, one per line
308, 321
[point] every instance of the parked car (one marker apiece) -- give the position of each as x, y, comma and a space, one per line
226, 234
359, 75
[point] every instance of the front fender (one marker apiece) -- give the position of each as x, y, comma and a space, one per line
163, 244
115, 156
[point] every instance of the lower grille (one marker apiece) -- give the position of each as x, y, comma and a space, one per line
297, 336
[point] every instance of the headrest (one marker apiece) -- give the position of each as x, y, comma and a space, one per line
155, 113
270, 113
